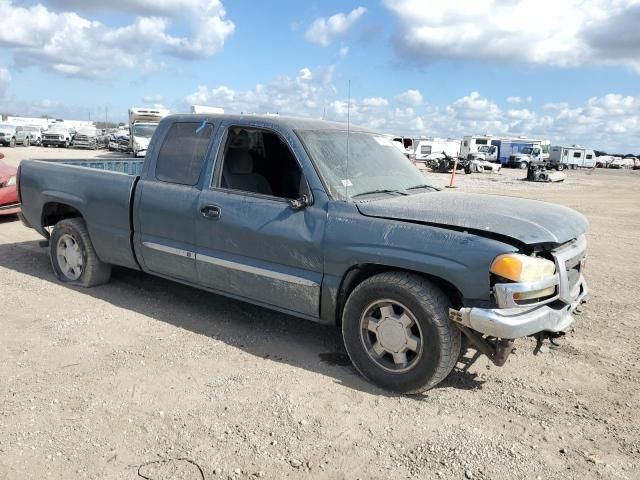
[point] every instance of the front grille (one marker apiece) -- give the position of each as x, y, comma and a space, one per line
569, 260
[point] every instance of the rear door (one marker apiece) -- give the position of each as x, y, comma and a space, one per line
166, 200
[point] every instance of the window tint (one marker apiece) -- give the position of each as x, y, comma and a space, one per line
481, 141
589, 157
183, 152
577, 154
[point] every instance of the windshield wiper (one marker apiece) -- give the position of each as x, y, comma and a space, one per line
382, 190
415, 187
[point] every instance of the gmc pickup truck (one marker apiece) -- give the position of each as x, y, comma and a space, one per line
327, 224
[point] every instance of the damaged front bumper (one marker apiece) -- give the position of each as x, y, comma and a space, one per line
511, 323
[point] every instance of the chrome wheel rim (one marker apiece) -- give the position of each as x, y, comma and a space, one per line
391, 336
70, 259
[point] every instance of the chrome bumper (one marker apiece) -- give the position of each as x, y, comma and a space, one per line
510, 323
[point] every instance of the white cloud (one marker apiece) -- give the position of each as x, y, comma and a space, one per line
323, 31
410, 98
304, 94
610, 122
343, 52
519, 99
563, 33
73, 45
153, 99
5, 80
375, 102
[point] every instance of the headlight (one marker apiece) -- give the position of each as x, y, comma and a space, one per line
524, 269
12, 181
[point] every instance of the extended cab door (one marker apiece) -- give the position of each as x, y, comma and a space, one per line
252, 242
166, 200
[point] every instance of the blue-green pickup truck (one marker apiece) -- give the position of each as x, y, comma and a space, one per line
325, 223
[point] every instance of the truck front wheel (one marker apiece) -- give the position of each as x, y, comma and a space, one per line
397, 332
73, 257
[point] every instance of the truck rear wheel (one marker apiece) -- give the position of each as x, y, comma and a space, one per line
397, 332
27, 142
523, 165
73, 257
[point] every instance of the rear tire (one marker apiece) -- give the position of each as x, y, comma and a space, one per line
73, 257
12, 143
523, 165
397, 332
27, 142
560, 167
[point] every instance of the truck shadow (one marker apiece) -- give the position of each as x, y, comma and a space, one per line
256, 330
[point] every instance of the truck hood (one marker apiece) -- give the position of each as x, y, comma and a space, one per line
527, 221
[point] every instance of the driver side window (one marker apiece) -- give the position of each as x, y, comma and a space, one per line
258, 161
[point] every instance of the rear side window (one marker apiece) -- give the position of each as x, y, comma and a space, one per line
481, 142
577, 154
183, 152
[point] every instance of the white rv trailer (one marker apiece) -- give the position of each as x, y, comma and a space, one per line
207, 109
428, 148
574, 156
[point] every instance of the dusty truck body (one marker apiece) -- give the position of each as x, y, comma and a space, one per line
268, 210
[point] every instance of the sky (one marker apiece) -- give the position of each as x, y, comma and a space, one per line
563, 70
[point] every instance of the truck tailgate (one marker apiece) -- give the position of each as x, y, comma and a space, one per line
101, 196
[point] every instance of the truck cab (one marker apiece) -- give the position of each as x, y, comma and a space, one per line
523, 159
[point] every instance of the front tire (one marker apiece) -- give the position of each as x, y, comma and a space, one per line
523, 165
27, 142
12, 143
397, 332
73, 257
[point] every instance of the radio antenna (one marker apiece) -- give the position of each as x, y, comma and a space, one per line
347, 181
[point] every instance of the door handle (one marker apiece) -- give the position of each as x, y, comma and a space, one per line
211, 212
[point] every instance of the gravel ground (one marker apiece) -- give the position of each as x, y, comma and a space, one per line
144, 378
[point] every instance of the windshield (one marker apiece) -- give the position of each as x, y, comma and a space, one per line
484, 149
144, 130
4, 126
374, 165
527, 150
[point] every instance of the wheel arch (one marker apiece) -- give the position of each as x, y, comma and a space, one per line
53, 212
361, 272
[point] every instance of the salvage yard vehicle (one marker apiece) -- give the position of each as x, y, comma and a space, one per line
620, 162
497, 149
85, 137
142, 124
28, 135
539, 171
270, 210
523, 159
9, 204
57, 136
7, 135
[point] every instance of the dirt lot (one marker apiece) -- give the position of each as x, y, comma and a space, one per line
97, 383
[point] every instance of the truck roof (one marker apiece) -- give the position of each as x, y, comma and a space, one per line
301, 123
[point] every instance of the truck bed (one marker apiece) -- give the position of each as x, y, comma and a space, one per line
100, 190
122, 165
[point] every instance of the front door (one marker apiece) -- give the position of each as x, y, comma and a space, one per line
251, 241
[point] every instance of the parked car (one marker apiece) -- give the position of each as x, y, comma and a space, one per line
269, 210
57, 136
85, 137
626, 162
7, 135
9, 204
28, 135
